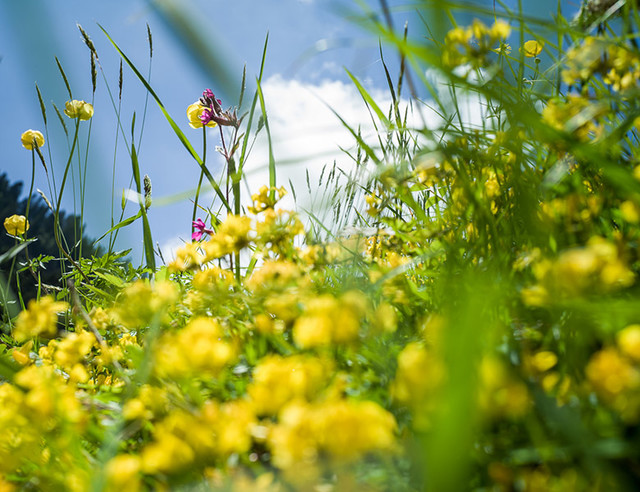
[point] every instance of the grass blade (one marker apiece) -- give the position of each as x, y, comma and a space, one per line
181, 136
272, 161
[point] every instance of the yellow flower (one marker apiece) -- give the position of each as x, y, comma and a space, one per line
629, 341
342, 429
532, 48
630, 212
78, 109
123, 472
166, 454
278, 380
500, 29
196, 349
418, 377
616, 381
500, 394
329, 320
16, 225
194, 111
40, 317
31, 139
544, 360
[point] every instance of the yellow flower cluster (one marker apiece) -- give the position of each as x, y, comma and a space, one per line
344, 429
279, 380
39, 319
624, 68
183, 438
614, 373
575, 114
596, 268
141, 303
232, 235
197, 350
500, 394
618, 65
583, 60
473, 44
266, 198
69, 354
418, 378
326, 320
491, 275
42, 417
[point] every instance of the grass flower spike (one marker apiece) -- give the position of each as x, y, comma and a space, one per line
16, 225
32, 139
78, 109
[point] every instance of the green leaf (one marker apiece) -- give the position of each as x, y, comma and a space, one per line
125, 222
110, 278
368, 99
272, 161
15, 250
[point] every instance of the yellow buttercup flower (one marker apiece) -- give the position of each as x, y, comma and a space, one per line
32, 139
78, 109
629, 342
40, 318
16, 225
194, 111
123, 472
532, 48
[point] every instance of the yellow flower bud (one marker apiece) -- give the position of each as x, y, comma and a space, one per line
193, 113
16, 225
32, 139
78, 109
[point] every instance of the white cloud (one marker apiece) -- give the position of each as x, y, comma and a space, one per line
307, 135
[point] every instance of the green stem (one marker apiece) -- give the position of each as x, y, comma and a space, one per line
56, 225
204, 160
33, 176
83, 185
18, 288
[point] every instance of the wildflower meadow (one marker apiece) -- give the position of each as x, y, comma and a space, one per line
465, 316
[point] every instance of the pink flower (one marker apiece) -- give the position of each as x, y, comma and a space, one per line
201, 228
213, 111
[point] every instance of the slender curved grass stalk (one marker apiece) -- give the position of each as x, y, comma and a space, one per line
204, 157
56, 227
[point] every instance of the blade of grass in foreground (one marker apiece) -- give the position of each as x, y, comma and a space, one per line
181, 136
368, 99
272, 161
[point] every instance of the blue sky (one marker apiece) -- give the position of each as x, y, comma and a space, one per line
298, 74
